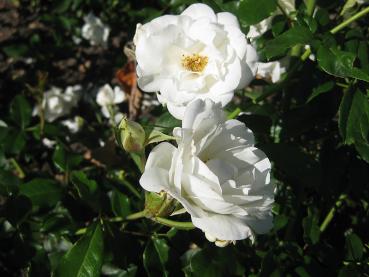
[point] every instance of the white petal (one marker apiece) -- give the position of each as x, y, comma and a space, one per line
196, 11
202, 116
228, 19
155, 179
161, 156
223, 227
237, 40
176, 111
231, 134
119, 95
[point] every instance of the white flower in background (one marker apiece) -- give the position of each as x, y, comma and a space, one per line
260, 28
74, 125
48, 143
272, 70
360, 2
107, 98
149, 101
216, 173
95, 31
197, 54
57, 104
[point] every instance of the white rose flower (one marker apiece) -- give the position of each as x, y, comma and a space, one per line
95, 31
197, 54
260, 28
57, 104
216, 173
107, 97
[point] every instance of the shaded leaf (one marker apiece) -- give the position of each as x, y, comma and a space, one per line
290, 38
253, 11
85, 257
20, 111
120, 203
354, 247
64, 160
42, 192
340, 63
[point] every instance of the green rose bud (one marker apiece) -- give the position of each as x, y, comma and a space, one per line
131, 136
159, 204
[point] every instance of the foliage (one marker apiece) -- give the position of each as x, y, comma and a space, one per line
66, 209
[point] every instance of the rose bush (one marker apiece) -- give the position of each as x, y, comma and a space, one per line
197, 54
216, 173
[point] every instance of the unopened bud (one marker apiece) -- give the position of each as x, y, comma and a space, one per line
131, 136
159, 204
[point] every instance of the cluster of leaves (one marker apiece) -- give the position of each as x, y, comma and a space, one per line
63, 209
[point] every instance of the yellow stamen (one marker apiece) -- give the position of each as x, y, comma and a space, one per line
194, 62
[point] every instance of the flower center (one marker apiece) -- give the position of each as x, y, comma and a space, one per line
194, 62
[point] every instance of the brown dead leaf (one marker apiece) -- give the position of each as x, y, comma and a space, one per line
128, 79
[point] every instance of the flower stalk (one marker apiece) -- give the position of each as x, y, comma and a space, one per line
331, 213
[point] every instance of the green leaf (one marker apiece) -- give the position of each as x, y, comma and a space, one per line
155, 257
64, 160
85, 257
9, 184
62, 6
340, 63
311, 227
348, 6
87, 188
354, 247
15, 141
166, 122
253, 11
279, 222
120, 204
323, 88
156, 136
290, 38
213, 262
42, 192
16, 50
354, 121
21, 111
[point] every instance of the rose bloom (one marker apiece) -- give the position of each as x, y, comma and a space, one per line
197, 54
57, 103
95, 31
216, 173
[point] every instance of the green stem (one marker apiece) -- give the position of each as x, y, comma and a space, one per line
17, 167
332, 212
177, 224
310, 7
350, 20
338, 28
234, 114
137, 215
131, 188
